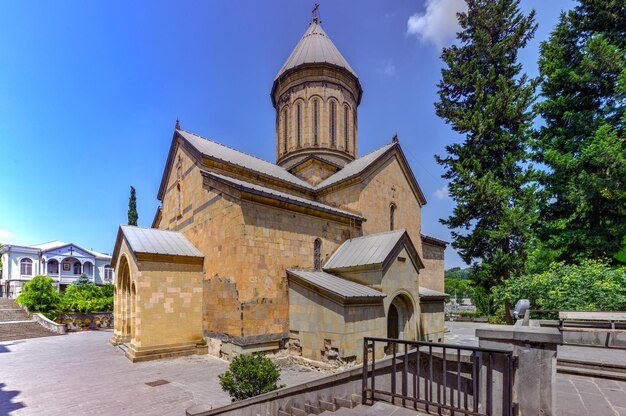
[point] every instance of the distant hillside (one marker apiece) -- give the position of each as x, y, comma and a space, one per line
457, 273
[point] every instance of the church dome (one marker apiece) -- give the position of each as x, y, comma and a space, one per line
316, 94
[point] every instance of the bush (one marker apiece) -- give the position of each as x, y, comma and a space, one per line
86, 297
592, 285
249, 376
40, 295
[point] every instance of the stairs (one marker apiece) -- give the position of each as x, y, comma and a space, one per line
348, 406
15, 324
592, 369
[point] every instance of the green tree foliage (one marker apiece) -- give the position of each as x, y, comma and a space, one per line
457, 273
132, 208
39, 295
459, 289
249, 376
590, 286
87, 297
583, 70
484, 96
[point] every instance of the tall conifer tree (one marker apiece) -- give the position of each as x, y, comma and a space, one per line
583, 69
132, 208
484, 96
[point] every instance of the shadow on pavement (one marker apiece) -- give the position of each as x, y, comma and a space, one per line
6, 404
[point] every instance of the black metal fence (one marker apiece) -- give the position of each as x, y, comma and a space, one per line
450, 379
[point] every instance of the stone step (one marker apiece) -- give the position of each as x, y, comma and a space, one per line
8, 315
23, 330
592, 365
592, 372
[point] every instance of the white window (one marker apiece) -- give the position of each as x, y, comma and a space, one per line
108, 273
26, 267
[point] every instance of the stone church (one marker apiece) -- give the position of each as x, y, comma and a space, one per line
310, 253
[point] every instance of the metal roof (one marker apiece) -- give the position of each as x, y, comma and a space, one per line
243, 160
362, 251
335, 284
274, 194
355, 167
212, 149
51, 245
433, 240
430, 293
315, 47
154, 241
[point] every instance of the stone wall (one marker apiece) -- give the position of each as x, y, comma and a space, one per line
432, 276
373, 197
325, 329
432, 320
247, 247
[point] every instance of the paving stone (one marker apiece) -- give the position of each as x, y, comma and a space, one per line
81, 373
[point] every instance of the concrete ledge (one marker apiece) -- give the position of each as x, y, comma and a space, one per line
60, 329
521, 334
138, 354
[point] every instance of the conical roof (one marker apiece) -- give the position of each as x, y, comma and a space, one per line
315, 47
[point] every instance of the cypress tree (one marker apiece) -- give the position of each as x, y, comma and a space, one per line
583, 69
485, 97
132, 208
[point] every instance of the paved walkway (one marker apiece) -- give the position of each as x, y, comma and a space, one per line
81, 374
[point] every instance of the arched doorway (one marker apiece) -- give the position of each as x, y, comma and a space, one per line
400, 319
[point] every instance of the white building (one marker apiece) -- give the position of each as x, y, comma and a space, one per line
64, 262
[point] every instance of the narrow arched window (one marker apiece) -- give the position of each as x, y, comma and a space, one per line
299, 134
26, 267
315, 110
345, 127
354, 130
332, 123
285, 126
179, 201
317, 254
392, 214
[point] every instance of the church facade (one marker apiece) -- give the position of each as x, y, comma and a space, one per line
310, 253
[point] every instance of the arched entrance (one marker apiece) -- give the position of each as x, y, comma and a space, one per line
124, 304
400, 318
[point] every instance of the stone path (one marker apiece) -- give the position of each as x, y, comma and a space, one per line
80, 374
588, 396
14, 323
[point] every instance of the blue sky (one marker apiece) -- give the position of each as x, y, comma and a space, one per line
90, 91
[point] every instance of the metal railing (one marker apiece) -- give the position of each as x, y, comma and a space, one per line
462, 383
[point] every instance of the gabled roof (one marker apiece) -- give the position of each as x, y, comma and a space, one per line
375, 251
153, 241
347, 290
355, 167
430, 293
315, 47
218, 152
282, 196
359, 166
56, 244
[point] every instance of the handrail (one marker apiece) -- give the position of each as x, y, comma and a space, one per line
434, 390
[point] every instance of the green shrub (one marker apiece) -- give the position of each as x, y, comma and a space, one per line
249, 376
87, 297
591, 285
39, 295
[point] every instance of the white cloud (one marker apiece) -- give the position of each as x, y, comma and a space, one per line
389, 68
438, 24
6, 234
442, 193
